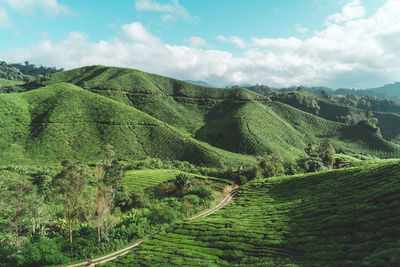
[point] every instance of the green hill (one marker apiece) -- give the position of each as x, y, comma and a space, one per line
5, 82
387, 122
233, 119
147, 115
344, 217
64, 121
135, 81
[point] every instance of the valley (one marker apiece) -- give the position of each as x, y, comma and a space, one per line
315, 181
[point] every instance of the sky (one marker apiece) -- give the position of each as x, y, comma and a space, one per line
280, 43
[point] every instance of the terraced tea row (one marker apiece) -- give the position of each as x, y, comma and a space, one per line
61, 121
344, 217
141, 179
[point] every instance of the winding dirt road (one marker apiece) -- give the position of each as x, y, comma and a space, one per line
114, 255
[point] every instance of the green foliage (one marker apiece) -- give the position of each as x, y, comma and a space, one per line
33, 70
203, 192
8, 72
42, 251
304, 220
63, 121
72, 186
181, 181
301, 100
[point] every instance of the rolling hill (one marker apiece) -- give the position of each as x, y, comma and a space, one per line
74, 114
233, 119
388, 122
61, 121
345, 217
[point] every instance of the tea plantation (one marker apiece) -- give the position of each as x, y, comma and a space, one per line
345, 217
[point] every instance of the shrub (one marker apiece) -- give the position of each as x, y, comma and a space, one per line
203, 192
181, 180
42, 251
161, 214
241, 179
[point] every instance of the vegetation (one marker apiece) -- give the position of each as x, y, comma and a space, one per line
97, 158
63, 121
305, 220
6, 82
75, 211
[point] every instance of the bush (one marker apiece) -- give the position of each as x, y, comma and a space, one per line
161, 214
42, 251
241, 179
203, 192
181, 180
192, 199
233, 255
311, 164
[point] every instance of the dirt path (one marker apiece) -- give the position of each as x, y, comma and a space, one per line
114, 255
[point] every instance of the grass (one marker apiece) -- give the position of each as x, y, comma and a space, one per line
4, 82
304, 220
141, 179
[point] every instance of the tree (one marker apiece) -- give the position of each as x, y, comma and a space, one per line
181, 181
15, 195
72, 186
326, 152
104, 204
271, 165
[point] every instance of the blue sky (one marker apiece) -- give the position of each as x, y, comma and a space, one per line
342, 43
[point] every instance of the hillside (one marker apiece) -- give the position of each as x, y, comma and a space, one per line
233, 119
305, 220
135, 81
64, 121
11, 73
325, 108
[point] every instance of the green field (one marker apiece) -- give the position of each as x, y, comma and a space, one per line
4, 82
345, 217
141, 179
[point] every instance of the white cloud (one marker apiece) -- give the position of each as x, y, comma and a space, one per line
5, 21
360, 52
173, 10
351, 11
301, 29
51, 7
137, 33
232, 39
196, 41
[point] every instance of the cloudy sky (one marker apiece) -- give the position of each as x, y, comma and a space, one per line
335, 43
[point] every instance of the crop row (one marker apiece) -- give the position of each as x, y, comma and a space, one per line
343, 217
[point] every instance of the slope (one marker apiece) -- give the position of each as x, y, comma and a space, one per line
64, 121
259, 128
135, 81
233, 119
346, 217
178, 103
388, 122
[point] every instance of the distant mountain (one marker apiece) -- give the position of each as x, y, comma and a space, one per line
200, 83
262, 89
389, 90
386, 91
